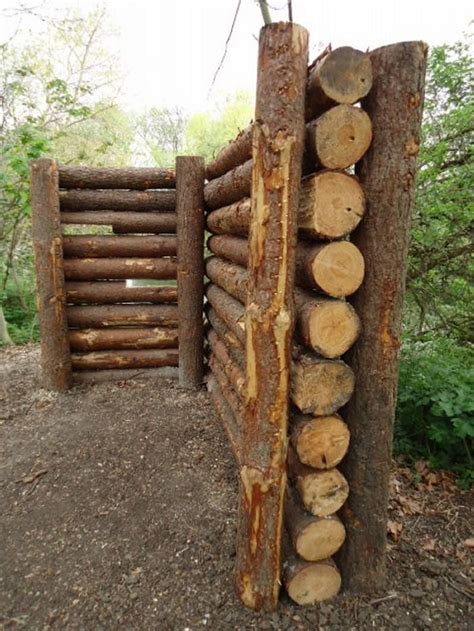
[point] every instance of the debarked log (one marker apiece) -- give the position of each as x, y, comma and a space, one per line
84, 199
104, 316
95, 269
136, 178
338, 138
232, 155
113, 292
118, 339
230, 187
147, 358
89, 246
320, 441
124, 222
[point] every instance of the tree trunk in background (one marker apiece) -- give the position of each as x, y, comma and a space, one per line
4, 337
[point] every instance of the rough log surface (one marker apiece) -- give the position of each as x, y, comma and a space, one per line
387, 174
230, 187
228, 309
47, 241
232, 278
90, 246
233, 219
232, 370
115, 292
132, 177
277, 157
105, 316
344, 75
236, 152
234, 346
124, 222
148, 358
232, 248
95, 269
190, 231
233, 399
320, 442
136, 201
123, 374
118, 339
226, 415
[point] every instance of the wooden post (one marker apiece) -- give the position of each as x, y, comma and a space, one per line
387, 175
277, 157
51, 295
190, 231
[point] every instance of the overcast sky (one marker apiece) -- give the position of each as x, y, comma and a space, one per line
170, 49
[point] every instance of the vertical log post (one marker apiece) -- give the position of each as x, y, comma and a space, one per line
277, 157
190, 231
51, 295
387, 174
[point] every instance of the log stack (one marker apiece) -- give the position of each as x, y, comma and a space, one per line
116, 329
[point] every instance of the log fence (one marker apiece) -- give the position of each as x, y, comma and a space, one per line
308, 214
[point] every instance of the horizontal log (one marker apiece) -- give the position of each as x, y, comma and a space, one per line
136, 201
101, 293
313, 538
124, 222
234, 374
228, 276
95, 269
230, 187
232, 248
338, 138
310, 583
118, 339
233, 219
343, 75
320, 442
132, 177
322, 492
233, 400
336, 268
105, 316
228, 309
236, 152
149, 358
225, 413
320, 386
123, 374
87, 246
234, 346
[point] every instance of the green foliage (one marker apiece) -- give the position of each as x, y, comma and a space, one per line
435, 411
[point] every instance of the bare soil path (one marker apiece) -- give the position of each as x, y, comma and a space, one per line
117, 511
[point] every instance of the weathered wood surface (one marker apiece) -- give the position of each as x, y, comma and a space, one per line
145, 358
335, 268
277, 156
190, 233
232, 155
233, 219
338, 138
92, 246
387, 175
47, 242
92, 317
136, 201
118, 339
137, 178
123, 374
320, 441
226, 415
99, 269
124, 222
230, 187
228, 309
101, 293
343, 75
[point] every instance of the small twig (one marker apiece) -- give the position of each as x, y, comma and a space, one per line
226, 46
290, 11
390, 596
27, 479
459, 590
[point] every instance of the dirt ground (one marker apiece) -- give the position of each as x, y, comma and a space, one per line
118, 506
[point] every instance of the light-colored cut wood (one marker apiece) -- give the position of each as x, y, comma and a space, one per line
320, 442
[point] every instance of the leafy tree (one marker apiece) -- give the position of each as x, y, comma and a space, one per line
161, 132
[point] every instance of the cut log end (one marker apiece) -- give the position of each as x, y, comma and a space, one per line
320, 539
320, 442
310, 583
323, 492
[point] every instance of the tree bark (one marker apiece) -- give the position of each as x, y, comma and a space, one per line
277, 156
336, 268
123, 374
233, 219
233, 344
146, 358
4, 335
387, 174
233, 399
225, 413
229, 277
338, 138
320, 442
190, 231
124, 222
344, 75
119, 339
232, 155
131, 177
105, 316
230, 187
234, 374
55, 353
228, 309
115, 292
135, 201
233, 249
99, 269
90, 246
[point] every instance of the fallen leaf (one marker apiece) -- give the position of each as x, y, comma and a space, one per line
394, 528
